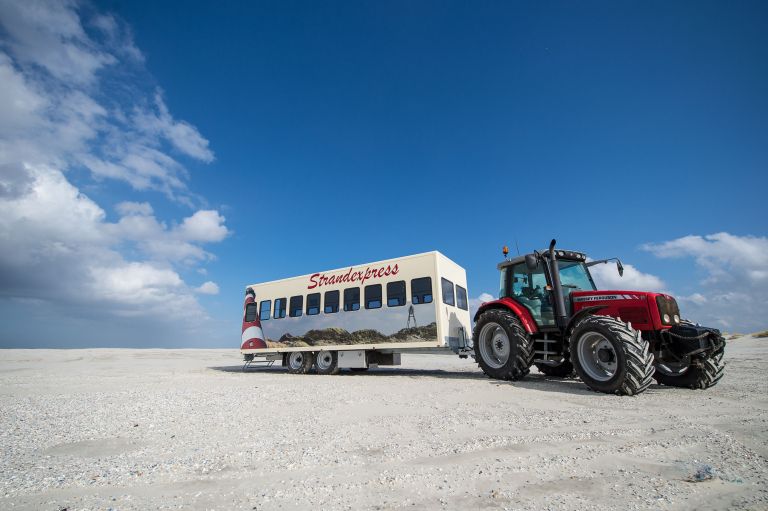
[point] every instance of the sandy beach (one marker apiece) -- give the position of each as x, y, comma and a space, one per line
187, 429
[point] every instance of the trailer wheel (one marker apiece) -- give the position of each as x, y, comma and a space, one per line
327, 362
611, 357
561, 370
503, 349
699, 373
300, 362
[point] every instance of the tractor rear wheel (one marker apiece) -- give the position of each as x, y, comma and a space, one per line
610, 356
503, 349
561, 370
699, 373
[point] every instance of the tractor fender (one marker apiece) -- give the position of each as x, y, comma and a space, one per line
586, 311
519, 310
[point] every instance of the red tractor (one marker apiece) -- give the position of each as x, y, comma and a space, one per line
550, 314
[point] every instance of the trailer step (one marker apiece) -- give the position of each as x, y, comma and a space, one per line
255, 363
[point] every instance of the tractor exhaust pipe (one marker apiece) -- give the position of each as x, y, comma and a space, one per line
561, 318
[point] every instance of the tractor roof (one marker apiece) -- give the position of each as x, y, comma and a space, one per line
569, 255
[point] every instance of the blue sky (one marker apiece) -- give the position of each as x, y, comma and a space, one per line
156, 157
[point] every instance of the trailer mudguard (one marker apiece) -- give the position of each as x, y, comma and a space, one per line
522, 313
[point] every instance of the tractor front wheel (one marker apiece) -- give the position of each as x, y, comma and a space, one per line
503, 349
698, 373
610, 356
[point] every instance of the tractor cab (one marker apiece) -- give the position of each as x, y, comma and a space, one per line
531, 286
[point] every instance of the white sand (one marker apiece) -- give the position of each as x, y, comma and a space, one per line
156, 429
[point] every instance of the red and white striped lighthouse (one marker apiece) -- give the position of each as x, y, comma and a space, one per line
252, 335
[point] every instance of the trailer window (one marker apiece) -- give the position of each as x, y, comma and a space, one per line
250, 312
352, 299
373, 296
421, 290
313, 304
447, 291
279, 308
297, 303
265, 306
331, 302
461, 297
396, 293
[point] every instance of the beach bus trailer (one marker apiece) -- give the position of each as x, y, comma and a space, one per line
359, 316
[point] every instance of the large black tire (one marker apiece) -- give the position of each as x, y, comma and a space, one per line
610, 356
704, 372
299, 362
327, 362
563, 369
503, 349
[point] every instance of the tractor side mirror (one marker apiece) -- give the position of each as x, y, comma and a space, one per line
620, 267
531, 261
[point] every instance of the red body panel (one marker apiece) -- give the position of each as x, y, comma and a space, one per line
520, 311
636, 307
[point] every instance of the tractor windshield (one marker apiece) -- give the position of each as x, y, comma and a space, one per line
575, 276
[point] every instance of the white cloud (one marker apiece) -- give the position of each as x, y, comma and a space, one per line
64, 250
57, 112
606, 276
205, 225
182, 135
734, 292
50, 35
127, 208
475, 303
51, 113
208, 288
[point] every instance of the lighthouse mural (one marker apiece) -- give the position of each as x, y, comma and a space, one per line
252, 335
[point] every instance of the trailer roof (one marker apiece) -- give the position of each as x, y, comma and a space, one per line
433, 253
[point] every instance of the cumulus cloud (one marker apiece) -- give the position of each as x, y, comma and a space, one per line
208, 288
475, 303
734, 271
207, 225
606, 276
60, 248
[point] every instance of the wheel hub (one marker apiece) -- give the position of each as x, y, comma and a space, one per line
494, 345
597, 356
324, 360
295, 360
605, 356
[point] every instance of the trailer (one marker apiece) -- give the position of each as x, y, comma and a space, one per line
360, 316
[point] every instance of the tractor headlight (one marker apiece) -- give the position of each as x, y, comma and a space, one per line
668, 310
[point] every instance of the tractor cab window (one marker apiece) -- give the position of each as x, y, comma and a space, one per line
574, 276
530, 289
